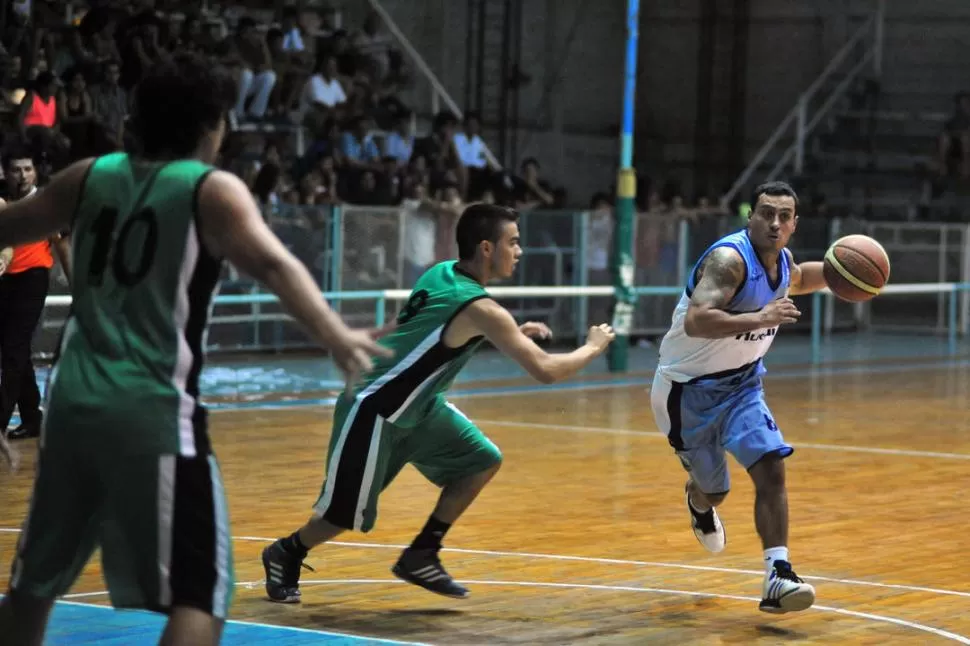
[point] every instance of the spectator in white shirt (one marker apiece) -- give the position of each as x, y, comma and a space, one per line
471, 148
471, 152
420, 231
323, 90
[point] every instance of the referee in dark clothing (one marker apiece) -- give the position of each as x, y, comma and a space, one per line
24, 281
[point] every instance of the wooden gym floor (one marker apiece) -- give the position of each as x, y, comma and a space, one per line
583, 536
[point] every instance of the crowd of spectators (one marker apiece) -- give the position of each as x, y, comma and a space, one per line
66, 72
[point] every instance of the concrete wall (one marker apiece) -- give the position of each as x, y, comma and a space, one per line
573, 50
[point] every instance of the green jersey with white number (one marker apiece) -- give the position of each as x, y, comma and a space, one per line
131, 353
405, 386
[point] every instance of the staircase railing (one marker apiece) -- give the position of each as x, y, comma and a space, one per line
799, 116
439, 94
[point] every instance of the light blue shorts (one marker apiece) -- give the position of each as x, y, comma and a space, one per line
707, 416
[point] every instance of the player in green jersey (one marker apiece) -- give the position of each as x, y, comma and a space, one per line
399, 414
125, 459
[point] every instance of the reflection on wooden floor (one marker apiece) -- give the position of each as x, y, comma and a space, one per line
583, 535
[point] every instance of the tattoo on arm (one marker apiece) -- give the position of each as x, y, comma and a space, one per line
720, 275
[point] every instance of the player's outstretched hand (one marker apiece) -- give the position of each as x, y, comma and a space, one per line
780, 311
353, 349
536, 330
600, 337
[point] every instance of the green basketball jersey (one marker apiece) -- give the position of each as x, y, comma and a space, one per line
131, 353
406, 385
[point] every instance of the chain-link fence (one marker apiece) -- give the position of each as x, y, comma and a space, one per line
353, 249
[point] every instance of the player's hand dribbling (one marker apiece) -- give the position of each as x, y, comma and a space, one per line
600, 337
780, 311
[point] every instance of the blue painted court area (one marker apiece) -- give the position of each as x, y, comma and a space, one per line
80, 623
267, 381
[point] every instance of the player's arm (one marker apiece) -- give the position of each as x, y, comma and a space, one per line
497, 325
806, 277
722, 273
233, 227
47, 211
62, 249
6, 254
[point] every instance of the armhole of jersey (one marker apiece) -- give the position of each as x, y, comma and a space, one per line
700, 261
196, 196
80, 192
454, 315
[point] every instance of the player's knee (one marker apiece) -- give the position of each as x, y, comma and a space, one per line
495, 455
716, 499
768, 473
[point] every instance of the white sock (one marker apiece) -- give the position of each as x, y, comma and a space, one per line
773, 554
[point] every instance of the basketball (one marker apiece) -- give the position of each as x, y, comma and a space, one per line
856, 268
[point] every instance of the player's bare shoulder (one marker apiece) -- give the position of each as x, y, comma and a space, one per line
477, 319
722, 269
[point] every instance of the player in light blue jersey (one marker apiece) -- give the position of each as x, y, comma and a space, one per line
707, 394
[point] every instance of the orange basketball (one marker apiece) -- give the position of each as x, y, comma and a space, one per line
856, 268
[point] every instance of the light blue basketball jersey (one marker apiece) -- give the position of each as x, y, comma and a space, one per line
683, 358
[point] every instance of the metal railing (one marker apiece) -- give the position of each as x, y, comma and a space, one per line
798, 118
438, 92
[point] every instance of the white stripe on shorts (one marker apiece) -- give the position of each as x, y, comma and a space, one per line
166, 515
659, 394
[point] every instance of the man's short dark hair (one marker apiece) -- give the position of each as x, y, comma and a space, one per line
179, 100
773, 189
481, 222
14, 151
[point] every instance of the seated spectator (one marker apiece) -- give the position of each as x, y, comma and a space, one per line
76, 113
38, 123
955, 140
268, 185
323, 90
439, 150
399, 144
529, 191
373, 46
390, 182
471, 152
323, 180
358, 146
256, 78
110, 103
326, 141
365, 191
339, 47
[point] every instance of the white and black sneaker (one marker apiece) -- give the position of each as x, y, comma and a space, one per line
423, 568
784, 592
707, 526
282, 571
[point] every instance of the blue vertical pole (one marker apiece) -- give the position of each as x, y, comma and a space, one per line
626, 189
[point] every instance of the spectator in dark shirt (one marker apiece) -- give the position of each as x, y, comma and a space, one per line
438, 150
531, 192
110, 103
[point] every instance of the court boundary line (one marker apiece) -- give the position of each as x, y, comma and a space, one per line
601, 384
611, 561
257, 624
855, 614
